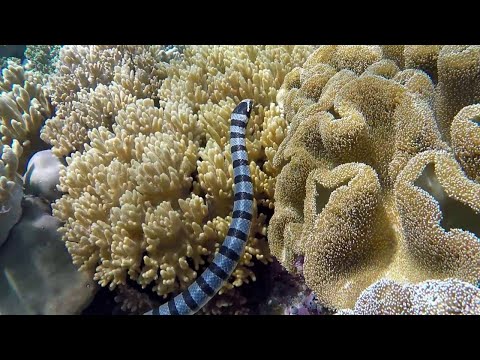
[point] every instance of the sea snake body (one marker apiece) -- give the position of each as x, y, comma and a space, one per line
211, 280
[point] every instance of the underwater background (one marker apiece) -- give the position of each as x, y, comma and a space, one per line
117, 180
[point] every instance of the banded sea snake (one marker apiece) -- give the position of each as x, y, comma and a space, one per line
211, 280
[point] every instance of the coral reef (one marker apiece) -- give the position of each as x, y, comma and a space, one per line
42, 58
432, 297
230, 303
11, 188
24, 106
37, 275
379, 170
148, 183
465, 137
93, 83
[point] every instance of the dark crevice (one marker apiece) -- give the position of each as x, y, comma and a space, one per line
266, 211
103, 303
260, 163
190, 263
195, 179
335, 114
257, 291
476, 120
17, 51
323, 195
455, 214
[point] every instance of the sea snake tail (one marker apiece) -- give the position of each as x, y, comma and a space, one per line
211, 280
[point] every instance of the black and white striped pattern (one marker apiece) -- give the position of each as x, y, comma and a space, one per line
211, 280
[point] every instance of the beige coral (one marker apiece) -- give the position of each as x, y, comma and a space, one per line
423, 57
432, 297
353, 57
93, 83
465, 135
24, 106
9, 161
458, 83
11, 188
82, 67
151, 199
347, 197
439, 210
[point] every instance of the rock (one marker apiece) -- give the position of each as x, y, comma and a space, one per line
36, 271
11, 210
42, 175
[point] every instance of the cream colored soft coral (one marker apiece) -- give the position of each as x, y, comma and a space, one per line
465, 135
11, 188
458, 83
82, 67
93, 83
110, 193
67, 130
24, 106
151, 199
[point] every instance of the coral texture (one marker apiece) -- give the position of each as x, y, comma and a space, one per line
24, 106
93, 83
133, 301
42, 58
379, 170
432, 297
148, 187
11, 188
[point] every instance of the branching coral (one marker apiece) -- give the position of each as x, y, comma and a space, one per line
432, 297
362, 150
93, 83
151, 199
458, 83
24, 106
11, 189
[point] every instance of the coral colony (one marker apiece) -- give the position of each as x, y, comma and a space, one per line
117, 179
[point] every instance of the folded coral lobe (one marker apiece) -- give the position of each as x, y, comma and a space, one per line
439, 208
465, 134
346, 242
390, 160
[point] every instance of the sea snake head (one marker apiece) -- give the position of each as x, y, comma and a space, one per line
244, 108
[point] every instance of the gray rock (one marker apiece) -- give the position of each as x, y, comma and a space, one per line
11, 210
36, 271
42, 175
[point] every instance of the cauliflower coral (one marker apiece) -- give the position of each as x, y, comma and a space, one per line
148, 187
379, 169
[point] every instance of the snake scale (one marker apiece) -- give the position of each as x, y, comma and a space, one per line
211, 280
